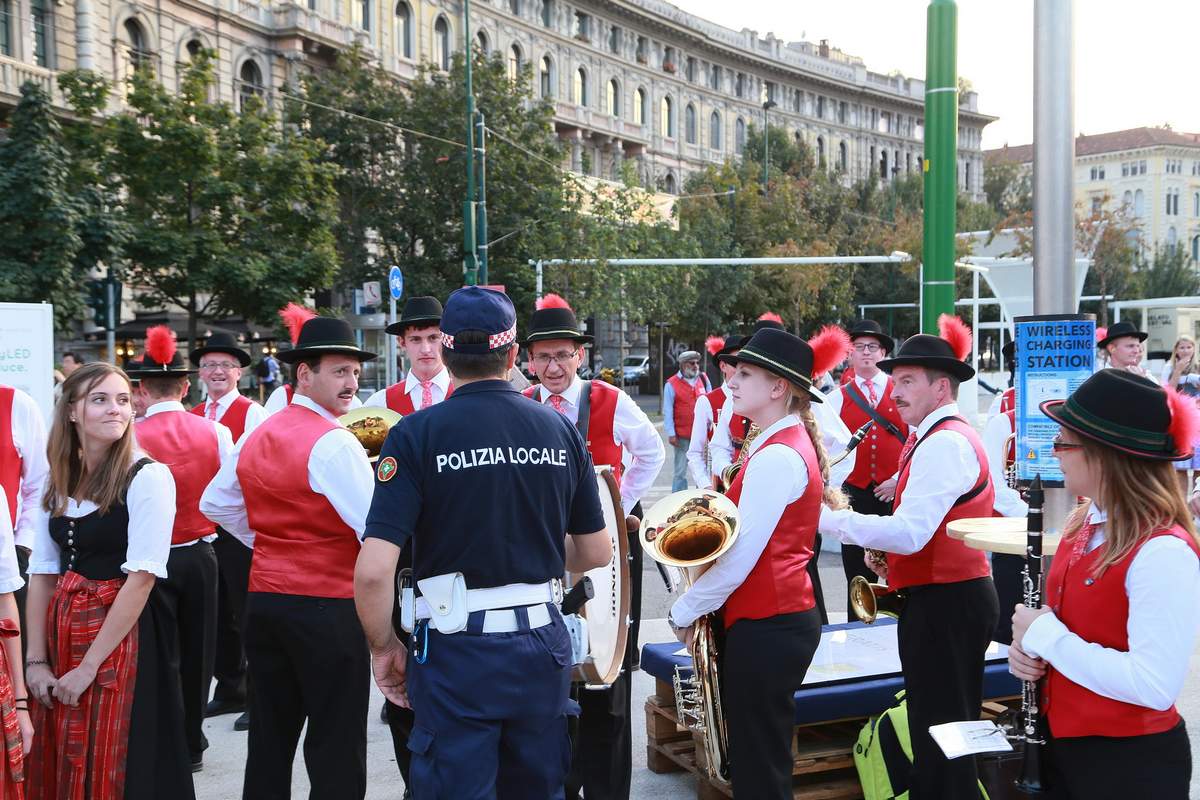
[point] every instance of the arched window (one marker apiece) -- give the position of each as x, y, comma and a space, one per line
581, 87
547, 12
714, 131
482, 43
689, 124
739, 136
193, 48
515, 63
612, 102
403, 25
821, 152
639, 107
514, 6
883, 164
1139, 203
843, 157
545, 77
250, 83
666, 122
441, 43
669, 185
138, 55
1127, 200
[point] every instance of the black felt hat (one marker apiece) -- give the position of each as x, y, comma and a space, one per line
162, 358
423, 312
554, 319
220, 342
1125, 412
869, 327
1119, 330
324, 336
780, 353
926, 350
732, 345
767, 321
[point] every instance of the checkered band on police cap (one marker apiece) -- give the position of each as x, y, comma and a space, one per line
474, 308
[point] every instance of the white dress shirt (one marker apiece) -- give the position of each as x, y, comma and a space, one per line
278, 401
224, 447
879, 380
702, 423
412, 387
151, 504
944, 468
633, 431
775, 477
1163, 586
337, 468
1188, 379
255, 413
10, 574
995, 440
29, 437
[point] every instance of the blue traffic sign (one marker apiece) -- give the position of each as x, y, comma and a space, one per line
396, 282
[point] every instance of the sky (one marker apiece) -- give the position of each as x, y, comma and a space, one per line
1135, 64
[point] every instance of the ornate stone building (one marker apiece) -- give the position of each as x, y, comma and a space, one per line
630, 79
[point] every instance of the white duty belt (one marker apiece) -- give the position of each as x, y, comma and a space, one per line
447, 603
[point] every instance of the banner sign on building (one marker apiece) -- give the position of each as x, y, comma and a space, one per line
1055, 353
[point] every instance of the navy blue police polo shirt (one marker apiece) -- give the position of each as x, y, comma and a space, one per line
485, 483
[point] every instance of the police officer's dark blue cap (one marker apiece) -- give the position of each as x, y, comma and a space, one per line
474, 308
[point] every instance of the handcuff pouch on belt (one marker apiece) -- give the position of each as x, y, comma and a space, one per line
577, 629
447, 599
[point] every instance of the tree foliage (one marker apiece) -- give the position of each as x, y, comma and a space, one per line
1170, 273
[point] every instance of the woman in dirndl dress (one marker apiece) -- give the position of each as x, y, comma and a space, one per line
108, 714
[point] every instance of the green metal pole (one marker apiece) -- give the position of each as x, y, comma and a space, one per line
470, 261
481, 204
941, 161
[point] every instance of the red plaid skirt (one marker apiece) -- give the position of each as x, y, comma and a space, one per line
12, 766
79, 753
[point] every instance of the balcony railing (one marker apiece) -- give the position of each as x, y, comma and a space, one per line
14, 74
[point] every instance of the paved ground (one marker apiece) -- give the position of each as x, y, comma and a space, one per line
221, 778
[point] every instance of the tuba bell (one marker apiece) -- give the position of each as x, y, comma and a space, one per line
870, 600
689, 530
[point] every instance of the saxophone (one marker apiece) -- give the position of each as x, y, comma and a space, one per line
730, 472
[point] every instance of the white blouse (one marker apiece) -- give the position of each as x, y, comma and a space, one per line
151, 504
10, 575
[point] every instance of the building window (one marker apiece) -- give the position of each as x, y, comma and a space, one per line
1196, 204
714, 78
547, 13
441, 43
690, 71
1124, 169
1141, 168
545, 81
641, 53
739, 85
967, 175
666, 122
1196, 248
583, 27
43, 32
515, 63
138, 56
883, 164
669, 59
1172, 240
361, 9
820, 108
689, 124
581, 87
1139, 204
1097, 206
714, 131
843, 157
821, 152
193, 48
250, 83
482, 44
797, 101
669, 184
614, 40
739, 136
514, 7
7, 25
1127, 200
842, 112
404, 37
613, 100
640, 111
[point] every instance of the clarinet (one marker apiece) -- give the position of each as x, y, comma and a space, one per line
1031, 781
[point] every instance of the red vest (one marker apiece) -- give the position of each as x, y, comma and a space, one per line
879, 454
739, 426
188, 446
1097, 613
398, 400
779, 582
10, 458
601, 442
684, 407
234, 417
1008, 400
301, 544
942, 559
1011, 455
290, 391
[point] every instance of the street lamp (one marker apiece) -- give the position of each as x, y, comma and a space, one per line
767, 106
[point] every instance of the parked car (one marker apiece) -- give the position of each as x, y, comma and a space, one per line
635, 368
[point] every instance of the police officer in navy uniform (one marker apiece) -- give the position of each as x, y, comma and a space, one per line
499, 498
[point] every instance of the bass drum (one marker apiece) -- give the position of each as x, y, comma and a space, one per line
607, 613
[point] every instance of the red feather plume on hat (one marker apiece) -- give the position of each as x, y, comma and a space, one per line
714, 344
770, 316
830, 347
552, 301
161, 344
1100, 334
294, 317
956, 332
1185, 421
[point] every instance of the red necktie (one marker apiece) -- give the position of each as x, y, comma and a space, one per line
426, 394
558, 403
909, 444
874, 398
212, 410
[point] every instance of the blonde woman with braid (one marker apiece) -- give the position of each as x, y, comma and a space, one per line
761, 585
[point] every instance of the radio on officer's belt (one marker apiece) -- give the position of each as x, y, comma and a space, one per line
580, 593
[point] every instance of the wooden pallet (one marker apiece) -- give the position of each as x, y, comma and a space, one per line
822, 753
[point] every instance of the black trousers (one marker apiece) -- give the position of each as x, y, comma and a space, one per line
863, 501
602, 735
233, 562
308, 662
1008, 575
19, 594
763, 662
944, 632
814, 575
1117, 768
189, 593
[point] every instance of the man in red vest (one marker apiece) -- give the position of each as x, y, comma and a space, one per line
708, 411
950, 606
192, 447
23, 473
611, 424
420, 336
299, 487
867, 397
680, 394
221, 362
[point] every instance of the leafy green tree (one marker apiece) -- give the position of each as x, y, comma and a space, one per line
1171, 273
38, 215
1008, 187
